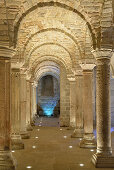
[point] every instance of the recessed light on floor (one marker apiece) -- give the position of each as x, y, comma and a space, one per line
40, 122
29, 167
70, 147
12, 151
91, 150
61, 129
36, 137
33, 147
39, 125
65, 137
38, 129
80, 139
81, 164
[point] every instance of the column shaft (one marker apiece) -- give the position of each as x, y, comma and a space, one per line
88, 140
16, 141
103, 158
23, 102
28, 108
6, 160
78, 132
72, 103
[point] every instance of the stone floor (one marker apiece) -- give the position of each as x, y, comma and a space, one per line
51, 148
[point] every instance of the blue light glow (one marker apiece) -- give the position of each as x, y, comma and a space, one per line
48, 106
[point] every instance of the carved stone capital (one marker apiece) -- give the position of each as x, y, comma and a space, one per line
87, 67
71, 77
102, 53
7, 52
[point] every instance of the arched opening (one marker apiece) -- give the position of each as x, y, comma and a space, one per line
48, 96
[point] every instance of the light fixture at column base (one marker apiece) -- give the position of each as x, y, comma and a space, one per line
16, 142
88, 141
7, 162
25, 135
101, 161
78, 133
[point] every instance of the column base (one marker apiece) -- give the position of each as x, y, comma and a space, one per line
78, 133
103, 161
16, 142
88, 141
29, 127
32, 123
7, 162
25, 135
70, 128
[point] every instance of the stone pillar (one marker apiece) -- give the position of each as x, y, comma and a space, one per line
103, 158
31, 102
16, 141
88, 140
34, 99
28, 115
24, 133
79, 129
6, 159
72, 101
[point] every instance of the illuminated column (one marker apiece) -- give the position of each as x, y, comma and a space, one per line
78, 132
72, 101
23, 95
88, 140
16, 141
28, 115
103, 158
6, 159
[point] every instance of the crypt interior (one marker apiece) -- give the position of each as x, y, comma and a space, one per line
56, 84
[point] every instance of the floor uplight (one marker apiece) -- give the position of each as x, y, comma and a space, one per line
29, 167
81, 164
36, 137
70, 147
61, 129
33, 147
12, 151
65, 137
38, 129
91, 150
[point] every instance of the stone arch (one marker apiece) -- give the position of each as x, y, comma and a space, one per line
52, 58
49, 44
58, 30
52, 3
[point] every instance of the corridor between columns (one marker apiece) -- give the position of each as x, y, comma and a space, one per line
56, 84
51, 147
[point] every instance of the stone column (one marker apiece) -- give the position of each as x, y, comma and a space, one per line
88, 140
79, 129
31, 102
34, 99
103, 158
24, 133
16, 141
6, 159
28, 115
72, 101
